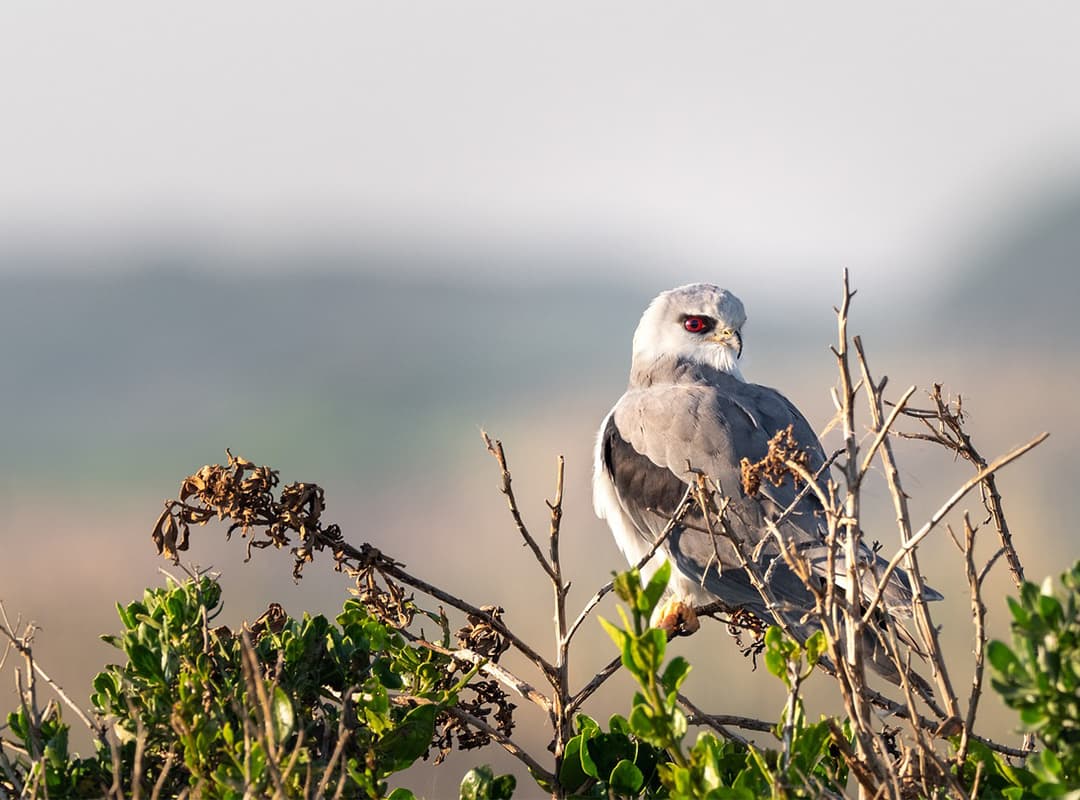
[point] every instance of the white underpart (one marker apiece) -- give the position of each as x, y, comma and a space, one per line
633, 545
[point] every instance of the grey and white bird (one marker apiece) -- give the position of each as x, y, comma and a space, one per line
688, 411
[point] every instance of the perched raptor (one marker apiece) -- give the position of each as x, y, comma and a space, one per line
688, 412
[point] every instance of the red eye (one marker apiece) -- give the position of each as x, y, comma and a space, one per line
695, 324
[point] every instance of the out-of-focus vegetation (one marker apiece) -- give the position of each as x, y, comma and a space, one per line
317, 708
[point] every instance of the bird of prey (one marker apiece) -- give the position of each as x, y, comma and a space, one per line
688, 412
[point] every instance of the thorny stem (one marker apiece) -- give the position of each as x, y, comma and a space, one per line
561, 684
718, 721
923, 619
705, 492
853, 652
946, 507
960, 442
978, 615
496, 449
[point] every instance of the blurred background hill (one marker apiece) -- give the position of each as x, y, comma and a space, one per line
342, 242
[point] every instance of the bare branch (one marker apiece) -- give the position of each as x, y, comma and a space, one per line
948, 506
496, 449
978, 614
920, 610
882, 428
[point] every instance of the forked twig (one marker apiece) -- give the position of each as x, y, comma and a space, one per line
945, 508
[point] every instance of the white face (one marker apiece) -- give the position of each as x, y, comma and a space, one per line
700, 323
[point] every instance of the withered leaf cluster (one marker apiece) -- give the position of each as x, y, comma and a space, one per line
489, 704
774, 466
388, 603
242, 492
743, 621
481, 637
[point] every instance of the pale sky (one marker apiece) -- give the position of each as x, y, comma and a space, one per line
796, 138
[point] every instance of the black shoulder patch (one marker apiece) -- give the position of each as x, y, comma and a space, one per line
638, 481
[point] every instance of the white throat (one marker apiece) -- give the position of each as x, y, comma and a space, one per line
723, 359
718, 357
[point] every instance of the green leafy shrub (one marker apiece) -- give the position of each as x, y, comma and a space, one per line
646, 755
292, 706
1039, 676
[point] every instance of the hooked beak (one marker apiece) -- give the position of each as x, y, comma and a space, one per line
732, 339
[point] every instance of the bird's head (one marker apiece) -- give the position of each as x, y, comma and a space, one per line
700, 322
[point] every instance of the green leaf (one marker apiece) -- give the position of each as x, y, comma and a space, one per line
643, 725
586, 725
502, 788
678, 724
674, 674
1051, 763
480, 783
410, 739
617, 634
602, 752
815, 646
144, 662
646, 652
648, 599
1001, 657
626, 778
571, 773
1021, 616
387, 677
1034, 717
588, 766
627, 585
401, 794
776, 663
1050, 607
617, 724
283, 716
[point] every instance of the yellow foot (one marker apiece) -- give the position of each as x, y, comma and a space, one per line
677, 617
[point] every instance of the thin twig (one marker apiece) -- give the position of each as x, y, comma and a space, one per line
395, 571
851, 662
586, 691
946, 507
923, 619
882, 428
487, 667
496, 449
562, 716
978, 615
951, 435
